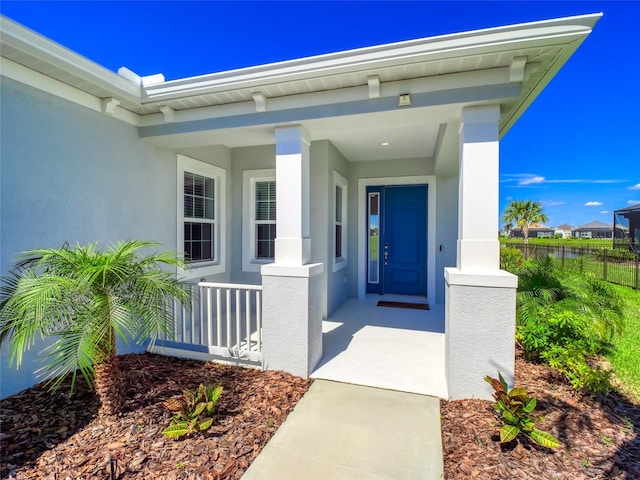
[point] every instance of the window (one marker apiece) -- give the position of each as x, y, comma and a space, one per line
339, 222
265, 218
259, 219
200, 218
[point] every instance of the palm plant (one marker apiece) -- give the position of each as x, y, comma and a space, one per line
523, 213
543, 286
84, 298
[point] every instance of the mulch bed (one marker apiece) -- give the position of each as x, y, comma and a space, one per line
61, 437
600, 437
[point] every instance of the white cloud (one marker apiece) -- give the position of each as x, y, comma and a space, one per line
593, 204
531, 180
524, 179
631, 202
552, 203
604, 211
635, 187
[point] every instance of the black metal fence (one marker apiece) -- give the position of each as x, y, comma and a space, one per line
615, 266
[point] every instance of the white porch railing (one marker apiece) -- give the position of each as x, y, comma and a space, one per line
225, 323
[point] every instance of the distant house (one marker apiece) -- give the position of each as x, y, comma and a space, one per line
595, 229
626, 223
536, 230
564, 230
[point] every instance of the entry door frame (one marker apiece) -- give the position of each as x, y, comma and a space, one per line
363, 183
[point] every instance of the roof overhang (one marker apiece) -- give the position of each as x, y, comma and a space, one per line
508, 66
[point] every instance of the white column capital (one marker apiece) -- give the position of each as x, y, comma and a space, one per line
290, 138
480, 114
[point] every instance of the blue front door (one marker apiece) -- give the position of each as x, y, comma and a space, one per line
397, 246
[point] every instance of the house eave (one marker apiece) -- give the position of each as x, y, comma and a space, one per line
373, 59
24, 46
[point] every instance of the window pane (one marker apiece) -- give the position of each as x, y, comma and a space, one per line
198, 241
373, 204
374, 238
199, 194
208, 188
265, 240
198, 185
198, 207
338, 241
338, 204
208, 208
188, 183
266, 200
188, 206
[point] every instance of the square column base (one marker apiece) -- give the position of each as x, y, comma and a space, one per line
480, 330
291, 318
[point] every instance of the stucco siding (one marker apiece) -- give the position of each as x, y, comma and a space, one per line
245, 158
69, 174
446, 230
337, 282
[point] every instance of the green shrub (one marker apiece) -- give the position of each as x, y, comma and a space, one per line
515, 407
564, 319
192, 410
511, 259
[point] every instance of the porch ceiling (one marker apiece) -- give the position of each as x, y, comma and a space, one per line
410, 133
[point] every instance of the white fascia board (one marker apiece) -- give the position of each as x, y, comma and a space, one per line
26, 76
426, 49
34, 45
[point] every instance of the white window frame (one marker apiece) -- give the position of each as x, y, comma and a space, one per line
218, 264
343, 261
249, 179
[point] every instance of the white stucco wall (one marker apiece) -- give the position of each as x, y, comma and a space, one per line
69, 174
446, 230
338, 282
245, 158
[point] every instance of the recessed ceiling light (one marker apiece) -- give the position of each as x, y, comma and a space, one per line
385, 144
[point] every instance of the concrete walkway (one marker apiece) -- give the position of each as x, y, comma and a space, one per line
342, 431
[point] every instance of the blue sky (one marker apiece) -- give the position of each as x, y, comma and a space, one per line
576, 150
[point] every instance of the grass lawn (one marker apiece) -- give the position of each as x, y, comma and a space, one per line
568, 242
625, 352
622, 273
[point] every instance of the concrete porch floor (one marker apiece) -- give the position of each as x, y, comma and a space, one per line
392, 348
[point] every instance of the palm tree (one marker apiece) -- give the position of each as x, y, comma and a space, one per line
85, 298
523, 213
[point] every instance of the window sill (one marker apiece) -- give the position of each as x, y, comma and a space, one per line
201, 269
255, 264
340, 264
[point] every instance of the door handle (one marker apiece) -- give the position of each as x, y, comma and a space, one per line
386, 253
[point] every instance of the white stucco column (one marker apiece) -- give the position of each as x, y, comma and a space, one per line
291, 286
480, 298
478, 215
293, 245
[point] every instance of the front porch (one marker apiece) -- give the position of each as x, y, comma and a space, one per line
392, 348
